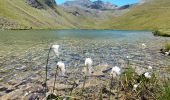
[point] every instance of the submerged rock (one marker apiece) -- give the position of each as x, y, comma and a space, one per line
165, 52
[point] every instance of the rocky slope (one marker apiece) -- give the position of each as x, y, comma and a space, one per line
35, 4
102, 5
98, 5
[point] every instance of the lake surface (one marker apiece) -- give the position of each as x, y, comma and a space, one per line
26, 51
11, 41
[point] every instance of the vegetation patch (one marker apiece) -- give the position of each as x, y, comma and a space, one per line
166, 49
166, 92
167, 46
164, 33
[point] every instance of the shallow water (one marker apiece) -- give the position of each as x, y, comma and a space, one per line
26, 51
11, 41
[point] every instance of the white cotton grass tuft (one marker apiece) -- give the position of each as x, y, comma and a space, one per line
116, 71
88, 66
148, 75
61, 67
55, 48
135, 87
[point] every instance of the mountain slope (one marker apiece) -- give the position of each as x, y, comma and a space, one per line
24, 15
98, 5
151, 15
45, 14
83, 16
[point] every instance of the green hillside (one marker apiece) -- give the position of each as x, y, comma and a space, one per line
25, 16
17, 14
152, 15
21, 14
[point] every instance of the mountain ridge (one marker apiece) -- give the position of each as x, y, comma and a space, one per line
98, 5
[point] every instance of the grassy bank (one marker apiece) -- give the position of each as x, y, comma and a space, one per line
164, 33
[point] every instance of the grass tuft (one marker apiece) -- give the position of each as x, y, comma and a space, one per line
167, 46
166, 92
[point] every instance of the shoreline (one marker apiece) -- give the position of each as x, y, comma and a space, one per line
159, 32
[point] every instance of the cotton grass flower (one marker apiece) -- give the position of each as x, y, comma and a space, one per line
55, 48
148, 75
88, 66
135, 87
61, 67
116, 71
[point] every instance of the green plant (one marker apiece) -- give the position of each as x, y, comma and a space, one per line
157, 33
163, 33
165, 91
167, 46
128, 77
139, 86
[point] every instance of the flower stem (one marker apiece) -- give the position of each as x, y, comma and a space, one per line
55, 79
111, 80
83, 86
46, 70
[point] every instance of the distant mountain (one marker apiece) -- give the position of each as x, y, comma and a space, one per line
98, 5
78, 3
102, 5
